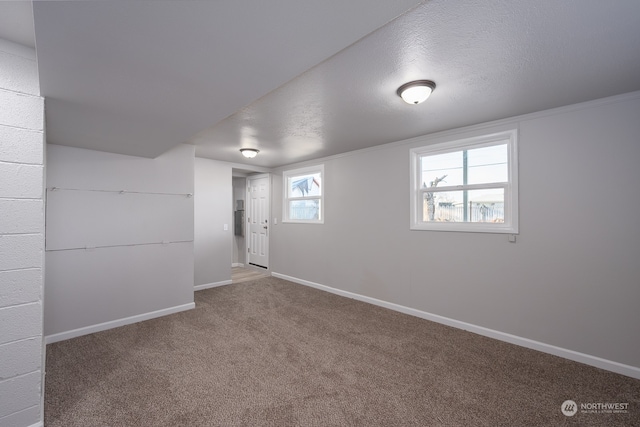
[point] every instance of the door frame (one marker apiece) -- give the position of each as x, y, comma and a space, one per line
268, 236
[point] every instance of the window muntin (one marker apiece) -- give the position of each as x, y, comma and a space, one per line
448, 206
467, 185
303, 195
304, 185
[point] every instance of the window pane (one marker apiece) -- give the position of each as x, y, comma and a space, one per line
487, 164
435, 167
304, 185
305, 209
485, 205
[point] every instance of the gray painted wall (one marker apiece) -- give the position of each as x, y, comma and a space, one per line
115, 258
21, 236
571, 280
213, 245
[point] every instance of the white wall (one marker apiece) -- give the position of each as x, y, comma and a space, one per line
21, 237
570, 282
119, 238
213, 210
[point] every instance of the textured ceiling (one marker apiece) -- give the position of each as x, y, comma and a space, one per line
300, 80
140, 77
489, 59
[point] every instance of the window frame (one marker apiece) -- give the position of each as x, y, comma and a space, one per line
308, 170
510, 226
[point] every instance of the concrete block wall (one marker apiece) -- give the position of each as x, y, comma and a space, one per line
21, 237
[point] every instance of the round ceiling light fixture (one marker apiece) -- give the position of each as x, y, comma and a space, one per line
249, 153
416, 91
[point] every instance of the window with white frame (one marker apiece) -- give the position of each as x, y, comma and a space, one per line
466, 185
303, 195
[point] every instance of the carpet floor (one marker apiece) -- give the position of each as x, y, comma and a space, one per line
273, 353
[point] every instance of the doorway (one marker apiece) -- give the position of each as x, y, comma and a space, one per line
257, 220
244, 274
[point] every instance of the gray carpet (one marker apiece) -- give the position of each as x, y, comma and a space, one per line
270, 352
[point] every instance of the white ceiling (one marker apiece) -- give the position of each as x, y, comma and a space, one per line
305, 79
139, 77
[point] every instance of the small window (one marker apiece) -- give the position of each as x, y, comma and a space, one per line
303, 195
466, 185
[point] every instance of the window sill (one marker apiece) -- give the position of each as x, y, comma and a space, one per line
466, 228
290, 221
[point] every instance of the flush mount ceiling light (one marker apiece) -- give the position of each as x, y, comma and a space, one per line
416, 91
249, 153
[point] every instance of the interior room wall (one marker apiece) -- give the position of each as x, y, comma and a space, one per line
21, 237
119, 238
239, 193
569, 282
213, 244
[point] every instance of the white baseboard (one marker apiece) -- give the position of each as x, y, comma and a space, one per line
116, 323
587, 359
237, 264
40, 424
211, 285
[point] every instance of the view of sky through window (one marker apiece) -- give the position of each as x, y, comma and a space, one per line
304, 185
452, 176
304, 196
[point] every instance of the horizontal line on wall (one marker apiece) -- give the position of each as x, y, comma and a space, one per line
30, 95
18, 199
88, 248
34, 337
6, 125
51, 189
22, 304
17, 377
35, 267
22, 163
38, 130
587, 359
22, 55
22, 269
28, 408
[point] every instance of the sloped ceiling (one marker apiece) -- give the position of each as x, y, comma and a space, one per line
140, 77
300, 79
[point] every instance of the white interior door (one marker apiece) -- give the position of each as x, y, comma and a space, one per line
258, 220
